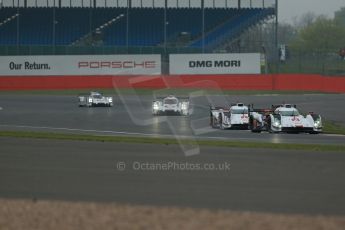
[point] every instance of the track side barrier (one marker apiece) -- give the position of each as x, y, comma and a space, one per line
299, 82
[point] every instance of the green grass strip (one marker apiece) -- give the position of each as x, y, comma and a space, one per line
333, 128
168, 141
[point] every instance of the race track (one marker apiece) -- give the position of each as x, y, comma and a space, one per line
275, 181
131, 115
263, 180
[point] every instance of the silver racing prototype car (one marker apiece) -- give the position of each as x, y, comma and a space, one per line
234, 117
95, 99
171, 105
284, 118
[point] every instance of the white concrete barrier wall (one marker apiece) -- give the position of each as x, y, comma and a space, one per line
248, 63
80, 65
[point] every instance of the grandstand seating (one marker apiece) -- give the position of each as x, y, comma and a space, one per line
8, 32
233, 26
146, 25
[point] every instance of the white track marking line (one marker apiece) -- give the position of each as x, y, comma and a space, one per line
138, 134
113, 132
72, 129
265, 95
333, 135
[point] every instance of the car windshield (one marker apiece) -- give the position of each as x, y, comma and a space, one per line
239, 111
289, 113
170, 101
97, 96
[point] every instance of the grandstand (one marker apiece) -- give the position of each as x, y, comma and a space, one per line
195, 24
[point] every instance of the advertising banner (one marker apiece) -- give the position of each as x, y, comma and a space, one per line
80, 65
248, 63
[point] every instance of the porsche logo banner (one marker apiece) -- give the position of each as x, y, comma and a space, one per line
80, 65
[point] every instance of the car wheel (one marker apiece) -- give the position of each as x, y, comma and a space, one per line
220, 120
254, 127
269, 125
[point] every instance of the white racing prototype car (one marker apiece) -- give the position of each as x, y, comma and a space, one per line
95, 99
171, 105
284, 118
235, 117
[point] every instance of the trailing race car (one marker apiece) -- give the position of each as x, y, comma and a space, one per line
284, 118
236, 117
95, 99
171, 105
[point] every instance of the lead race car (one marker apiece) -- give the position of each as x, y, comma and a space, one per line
95, 99
236, 117
284, 118
171, 105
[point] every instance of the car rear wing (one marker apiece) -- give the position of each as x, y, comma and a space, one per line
262, 110
181, 99
274, 107
239, 104
217, 108
178, 97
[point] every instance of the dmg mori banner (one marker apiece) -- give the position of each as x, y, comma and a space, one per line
80, 65
215, 63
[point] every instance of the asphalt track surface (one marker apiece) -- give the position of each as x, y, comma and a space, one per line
260, 180
131, 115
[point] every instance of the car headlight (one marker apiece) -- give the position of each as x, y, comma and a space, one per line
90, 100
184, 106
277, 123
110, 99
155, 106
317, 124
